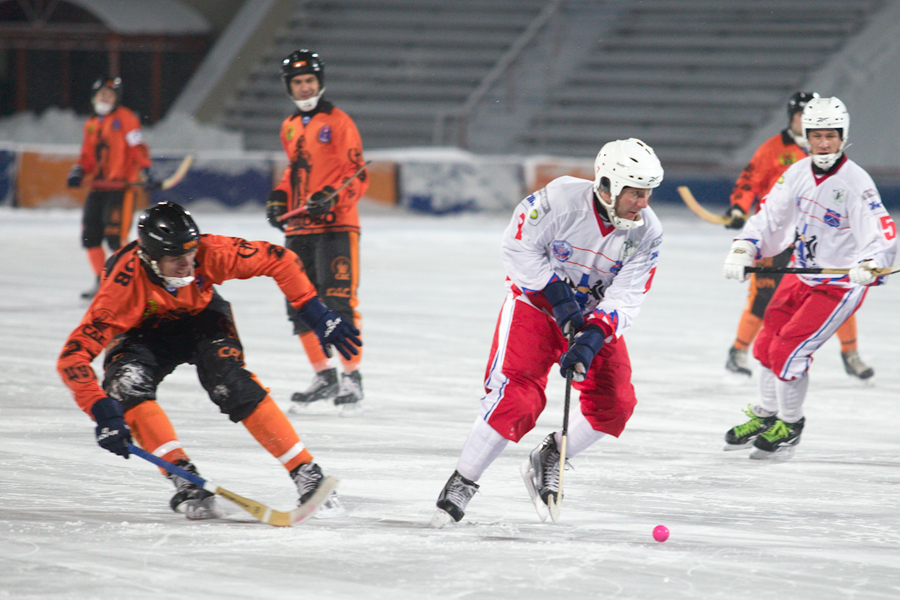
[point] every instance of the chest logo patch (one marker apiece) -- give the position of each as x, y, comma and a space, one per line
325, 134
832, 218
561, 249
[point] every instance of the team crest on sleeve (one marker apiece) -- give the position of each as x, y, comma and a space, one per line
832, 218
561, 249
325, 134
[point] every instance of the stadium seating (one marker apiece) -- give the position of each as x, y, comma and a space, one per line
694, 79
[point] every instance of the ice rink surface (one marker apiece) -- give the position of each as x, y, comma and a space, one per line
80, 523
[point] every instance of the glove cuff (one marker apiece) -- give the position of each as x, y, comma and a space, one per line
744, 247
107, 408
557, 292
312, 312
277, 196
591, 336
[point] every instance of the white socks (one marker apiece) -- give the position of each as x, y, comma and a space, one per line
482, 447
790, 398
768, 400
484, 444
782, 397
581, 435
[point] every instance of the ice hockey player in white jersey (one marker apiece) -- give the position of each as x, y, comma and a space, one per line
829, 209
580, 257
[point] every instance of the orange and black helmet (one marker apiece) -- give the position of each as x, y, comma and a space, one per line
300, 62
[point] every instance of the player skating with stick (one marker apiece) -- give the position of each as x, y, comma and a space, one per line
156, 309
769, 161
827, 210
580, 257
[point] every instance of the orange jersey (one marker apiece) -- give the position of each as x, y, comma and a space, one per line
131, 296
769, 161
323, 150
113, 148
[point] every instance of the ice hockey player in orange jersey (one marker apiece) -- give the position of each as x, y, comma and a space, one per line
113, 157
324, 180
157, 308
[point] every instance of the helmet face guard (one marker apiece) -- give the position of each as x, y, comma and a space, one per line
302, 62
625, 163
826, 113
112, 83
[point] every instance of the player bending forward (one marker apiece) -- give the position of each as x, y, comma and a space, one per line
828, 208
156, 308
579, 257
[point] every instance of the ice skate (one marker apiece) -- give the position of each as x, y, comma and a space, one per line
350, 393
737, 362
541, 475
324, 386
452, 502
308, 477
743, 436
855, 367
779, 442
190, 500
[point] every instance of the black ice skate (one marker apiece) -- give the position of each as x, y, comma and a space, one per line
855, 367
324, 386
190, 500
737, 362
452, 502
541, 475
308, 477
350, 392
742, 436
779, 441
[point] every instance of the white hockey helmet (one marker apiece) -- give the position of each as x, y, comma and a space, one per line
826, 113
622, 163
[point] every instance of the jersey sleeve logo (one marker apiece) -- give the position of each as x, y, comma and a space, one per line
561, 249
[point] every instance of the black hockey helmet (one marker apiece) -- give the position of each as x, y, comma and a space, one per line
798, 101
104, 81
167, 230
300, 62
113, 83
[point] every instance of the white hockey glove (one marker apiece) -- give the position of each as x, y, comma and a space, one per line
741, 256
862, 273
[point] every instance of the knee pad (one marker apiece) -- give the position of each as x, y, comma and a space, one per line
131, 383
229, 385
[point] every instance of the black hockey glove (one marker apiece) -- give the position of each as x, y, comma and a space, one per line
737, 215
565, 308
276, 205
150, 184
331, 328
112, 432
320, 203
76, 175
581, 352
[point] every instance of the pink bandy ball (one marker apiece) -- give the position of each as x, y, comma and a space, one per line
660, 533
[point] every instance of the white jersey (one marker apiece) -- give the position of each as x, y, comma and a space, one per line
557, 231
833, 221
